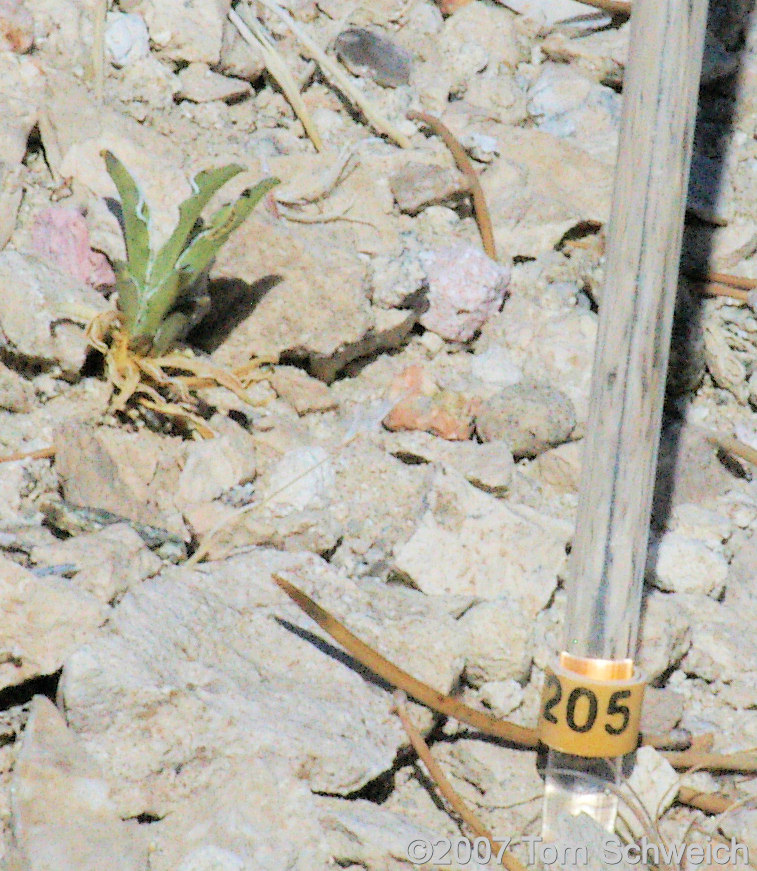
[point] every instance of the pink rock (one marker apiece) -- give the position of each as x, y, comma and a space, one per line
465, 288
424, 406
60, 236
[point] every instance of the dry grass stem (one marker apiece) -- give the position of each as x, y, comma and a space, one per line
733, 446
255, 36
340, 79
97, 59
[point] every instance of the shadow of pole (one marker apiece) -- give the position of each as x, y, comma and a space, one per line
728, 24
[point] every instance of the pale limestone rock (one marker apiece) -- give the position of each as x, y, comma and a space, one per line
388, 330
181, 32
604, 53
662, 710
719, 652
560, 467
488, 466
63, 816
682, 564
106, 562
145, 85
500, 782
397, 280
495, 368
35, 306
312, 300
654, 783
200, 84
703, 524
304, 393
601, 55
478, 36
540, 188
665, 635
302, 478
21, 92
418, 185
549, 12
16, 393
571, 107
16, 27
134, 475
237, 58
310, 529
471, 543
215, 465
377, 501
740, 824
75, 129
502, 696
13, 479
365, 835
497, 647
556, 347
256, 816
203, 670
726, 365
126, 38
45, 620
549, 633
480, 146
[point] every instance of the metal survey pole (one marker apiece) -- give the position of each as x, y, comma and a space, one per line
592, 698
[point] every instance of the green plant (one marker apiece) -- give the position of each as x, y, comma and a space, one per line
155, 287
162, 294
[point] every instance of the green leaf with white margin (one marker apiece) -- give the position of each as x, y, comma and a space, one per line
207, 243
153, 308
128, 294
205, 184
136, 218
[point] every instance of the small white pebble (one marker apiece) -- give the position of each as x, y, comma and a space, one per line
432, 343
126, 38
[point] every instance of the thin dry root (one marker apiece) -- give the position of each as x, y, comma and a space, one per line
158, 383
445, 787
520, 736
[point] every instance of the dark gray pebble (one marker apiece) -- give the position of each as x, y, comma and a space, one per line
369, 55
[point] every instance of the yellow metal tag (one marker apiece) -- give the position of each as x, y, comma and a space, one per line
591, 708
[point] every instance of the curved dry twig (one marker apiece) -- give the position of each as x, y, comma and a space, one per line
521, 736
483, 218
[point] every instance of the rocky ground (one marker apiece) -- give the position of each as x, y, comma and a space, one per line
412, 456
